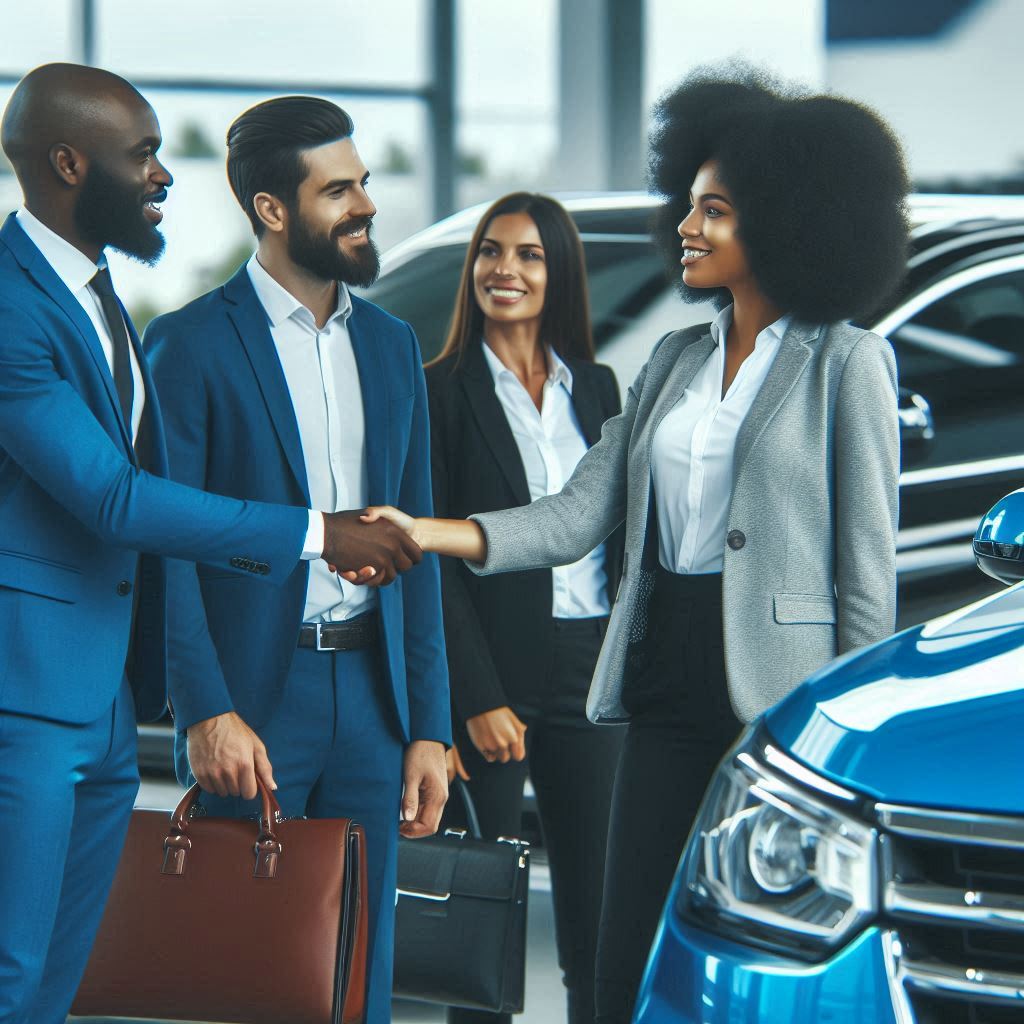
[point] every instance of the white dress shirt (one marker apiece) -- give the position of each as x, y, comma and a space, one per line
692, 453
550, 444
323, 382
76, 270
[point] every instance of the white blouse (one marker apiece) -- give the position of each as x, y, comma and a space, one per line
692, 454
551, 443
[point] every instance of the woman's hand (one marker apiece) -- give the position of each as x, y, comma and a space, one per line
499, 735
453, 762
392, 515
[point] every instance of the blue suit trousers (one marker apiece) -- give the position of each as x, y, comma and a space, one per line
66, 795
336, 752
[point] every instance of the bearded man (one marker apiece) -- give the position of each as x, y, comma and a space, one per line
283, 386
89, 523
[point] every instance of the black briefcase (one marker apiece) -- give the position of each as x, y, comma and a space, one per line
460, 922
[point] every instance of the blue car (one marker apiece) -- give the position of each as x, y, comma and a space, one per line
859, 854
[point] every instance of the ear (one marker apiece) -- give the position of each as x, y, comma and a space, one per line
271, 211
69, 164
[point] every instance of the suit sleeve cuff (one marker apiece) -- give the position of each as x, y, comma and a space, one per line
313, 547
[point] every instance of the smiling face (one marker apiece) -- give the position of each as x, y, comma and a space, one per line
330, 221
713, 254
118, 204
510, 275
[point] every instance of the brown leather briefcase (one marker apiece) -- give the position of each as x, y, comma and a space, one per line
220, 919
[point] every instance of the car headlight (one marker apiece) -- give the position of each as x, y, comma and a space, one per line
773, 862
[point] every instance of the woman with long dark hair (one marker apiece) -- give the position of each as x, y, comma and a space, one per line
755, 463
515, 402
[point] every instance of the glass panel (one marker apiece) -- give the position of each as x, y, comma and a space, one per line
507, 84
965, 355
37, 33
343, 41
787, 35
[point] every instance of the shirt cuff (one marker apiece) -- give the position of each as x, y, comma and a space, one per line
313, 547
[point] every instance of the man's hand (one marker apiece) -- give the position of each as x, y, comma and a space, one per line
352, 546
453, 762
426, 789
226, 756
499, 735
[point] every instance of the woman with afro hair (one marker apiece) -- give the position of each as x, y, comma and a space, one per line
755, 464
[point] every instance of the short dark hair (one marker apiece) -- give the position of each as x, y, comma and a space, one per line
819, 183
266, 147
565, 320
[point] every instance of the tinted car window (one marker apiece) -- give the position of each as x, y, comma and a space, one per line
624, 277
965, 354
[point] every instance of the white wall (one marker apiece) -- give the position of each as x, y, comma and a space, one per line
955, 100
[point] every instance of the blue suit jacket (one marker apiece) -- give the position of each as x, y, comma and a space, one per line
231, 428
75, 511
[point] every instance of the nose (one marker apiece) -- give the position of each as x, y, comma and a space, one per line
160, 175
365, 207
689, 226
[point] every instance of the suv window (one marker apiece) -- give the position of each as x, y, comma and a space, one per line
624, 276
965, 354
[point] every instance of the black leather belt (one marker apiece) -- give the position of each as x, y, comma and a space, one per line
350, 635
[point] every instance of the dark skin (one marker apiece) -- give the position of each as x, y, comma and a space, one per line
63, 119
712, 227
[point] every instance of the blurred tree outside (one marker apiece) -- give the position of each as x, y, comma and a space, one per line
194, 142
397, 159
472, 165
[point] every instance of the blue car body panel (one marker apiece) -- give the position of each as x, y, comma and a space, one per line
931, 717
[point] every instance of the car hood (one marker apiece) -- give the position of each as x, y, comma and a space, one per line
933, 716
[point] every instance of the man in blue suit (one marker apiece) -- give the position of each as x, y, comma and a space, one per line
82, 494
283, 386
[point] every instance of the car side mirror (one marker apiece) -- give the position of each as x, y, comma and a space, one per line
917, 426
999, 542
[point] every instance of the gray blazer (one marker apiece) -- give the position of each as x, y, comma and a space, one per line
811, 568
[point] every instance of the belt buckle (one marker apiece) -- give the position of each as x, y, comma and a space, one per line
319, 637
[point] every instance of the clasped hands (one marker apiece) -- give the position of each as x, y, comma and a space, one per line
371, 547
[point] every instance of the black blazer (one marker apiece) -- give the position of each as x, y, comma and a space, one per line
498, 629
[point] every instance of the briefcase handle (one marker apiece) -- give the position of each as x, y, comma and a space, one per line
267, 848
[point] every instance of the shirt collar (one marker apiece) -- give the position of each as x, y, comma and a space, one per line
720, 326
71, 265
558, 372
280, 304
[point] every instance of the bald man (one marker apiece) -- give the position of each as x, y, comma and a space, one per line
86, 519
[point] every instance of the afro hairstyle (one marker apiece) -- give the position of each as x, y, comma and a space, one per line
819, 183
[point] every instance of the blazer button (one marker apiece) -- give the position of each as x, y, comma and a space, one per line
124, 588
736, 539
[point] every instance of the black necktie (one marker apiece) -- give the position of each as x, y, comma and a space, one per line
123, 382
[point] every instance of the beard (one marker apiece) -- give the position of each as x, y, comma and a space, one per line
109, 213
323, 257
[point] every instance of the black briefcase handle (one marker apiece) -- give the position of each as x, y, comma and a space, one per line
468, 806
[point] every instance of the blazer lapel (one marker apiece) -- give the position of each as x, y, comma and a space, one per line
250, 321
376, 414
794, 351
478, 384
678, 379
36, 266
587, 406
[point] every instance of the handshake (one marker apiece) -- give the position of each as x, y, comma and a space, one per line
367, 548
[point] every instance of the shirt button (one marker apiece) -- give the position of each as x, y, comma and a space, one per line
736, 539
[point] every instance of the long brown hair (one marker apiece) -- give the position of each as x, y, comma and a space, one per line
565, 319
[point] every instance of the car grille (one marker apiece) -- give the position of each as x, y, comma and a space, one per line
953, 897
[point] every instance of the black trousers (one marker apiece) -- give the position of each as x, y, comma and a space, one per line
681, 726
571, 763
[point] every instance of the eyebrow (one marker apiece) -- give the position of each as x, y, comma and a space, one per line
713, 195
521, 245
344, 182
152, 142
